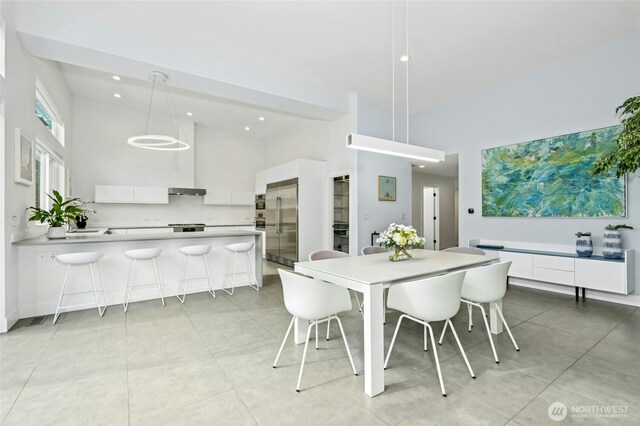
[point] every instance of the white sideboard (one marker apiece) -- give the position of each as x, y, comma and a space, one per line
593, 273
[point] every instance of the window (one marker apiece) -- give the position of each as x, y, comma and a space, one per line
46, 113
49, 175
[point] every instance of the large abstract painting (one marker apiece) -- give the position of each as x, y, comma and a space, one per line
550, 178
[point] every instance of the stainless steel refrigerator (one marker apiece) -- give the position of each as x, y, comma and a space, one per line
281, 222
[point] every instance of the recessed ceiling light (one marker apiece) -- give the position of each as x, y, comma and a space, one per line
261, 118
190, 114
247, 128
117, 95
404, 58
421, 166
116, 78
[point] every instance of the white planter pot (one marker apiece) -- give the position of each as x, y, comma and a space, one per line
57, 232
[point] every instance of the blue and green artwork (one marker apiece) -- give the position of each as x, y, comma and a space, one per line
550, 178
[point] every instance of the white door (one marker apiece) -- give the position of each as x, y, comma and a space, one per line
431, 217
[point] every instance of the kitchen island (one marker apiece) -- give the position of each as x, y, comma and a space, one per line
40, 275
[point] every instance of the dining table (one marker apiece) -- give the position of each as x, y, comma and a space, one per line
370, 275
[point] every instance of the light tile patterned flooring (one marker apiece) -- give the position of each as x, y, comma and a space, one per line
209, 362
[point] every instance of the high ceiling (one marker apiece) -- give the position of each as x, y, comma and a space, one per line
318, 52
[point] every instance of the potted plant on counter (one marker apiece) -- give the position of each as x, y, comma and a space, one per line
81, 219
612, 241
58, 216
584, 245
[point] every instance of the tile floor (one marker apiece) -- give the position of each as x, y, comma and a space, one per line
209, 362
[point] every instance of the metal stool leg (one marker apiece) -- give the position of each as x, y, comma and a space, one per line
252, 275
132, 270
64, 282
155, 271
233, 282
184, 285
95, 291
206, 266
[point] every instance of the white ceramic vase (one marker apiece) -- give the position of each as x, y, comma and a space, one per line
612, 245
57, 232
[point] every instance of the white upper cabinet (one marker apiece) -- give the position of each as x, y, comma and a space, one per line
113, 194
229, 198
131, 194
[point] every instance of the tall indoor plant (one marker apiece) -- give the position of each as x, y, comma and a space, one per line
58, 215
626, 156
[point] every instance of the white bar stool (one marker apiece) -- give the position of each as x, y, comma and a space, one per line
235, 249
189, 251
141, 254
81, 259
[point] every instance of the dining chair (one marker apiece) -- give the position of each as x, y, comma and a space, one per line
425, 301
485, 285
332, 254
373, 250
466, 250
316, 301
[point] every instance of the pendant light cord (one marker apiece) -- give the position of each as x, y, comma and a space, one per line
406, 17
153, 87
393, 71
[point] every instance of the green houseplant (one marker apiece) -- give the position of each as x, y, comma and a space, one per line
626, 156
58, 215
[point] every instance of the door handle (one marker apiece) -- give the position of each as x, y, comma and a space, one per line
278, 202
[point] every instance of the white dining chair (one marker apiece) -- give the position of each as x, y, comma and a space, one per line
315, 301
373, 250
485, 285
425, 301
467, 250
332, 254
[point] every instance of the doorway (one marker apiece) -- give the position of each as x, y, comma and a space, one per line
340, 225
431, 217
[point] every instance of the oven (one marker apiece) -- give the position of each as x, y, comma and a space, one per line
261, 220
260, 202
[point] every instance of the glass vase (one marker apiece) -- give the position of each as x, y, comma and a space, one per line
399, 254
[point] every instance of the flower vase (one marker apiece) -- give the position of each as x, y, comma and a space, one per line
584, 246
612, 244
81, 222
399, 254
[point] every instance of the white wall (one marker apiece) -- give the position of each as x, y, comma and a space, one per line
218, 161
576, 94
19, 91
448, 216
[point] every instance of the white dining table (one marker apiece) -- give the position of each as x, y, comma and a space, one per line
369, 275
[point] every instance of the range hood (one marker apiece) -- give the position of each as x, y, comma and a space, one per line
187, 191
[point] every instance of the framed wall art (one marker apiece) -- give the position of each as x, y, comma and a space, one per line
550, 178
386, 188
23, 158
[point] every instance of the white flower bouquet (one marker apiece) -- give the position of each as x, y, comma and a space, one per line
400, 238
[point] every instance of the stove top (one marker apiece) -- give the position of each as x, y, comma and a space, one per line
187, 227
186, 224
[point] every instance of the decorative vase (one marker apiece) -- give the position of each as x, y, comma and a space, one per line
81, 222
584, 246
399, 254
56, 232
612, 244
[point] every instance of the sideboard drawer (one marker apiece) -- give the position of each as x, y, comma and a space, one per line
553, 262
553, 276
605, 276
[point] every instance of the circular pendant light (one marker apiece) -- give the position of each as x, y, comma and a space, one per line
159, 142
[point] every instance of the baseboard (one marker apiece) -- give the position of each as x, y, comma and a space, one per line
631, 299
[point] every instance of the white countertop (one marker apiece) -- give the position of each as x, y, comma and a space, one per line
112, 238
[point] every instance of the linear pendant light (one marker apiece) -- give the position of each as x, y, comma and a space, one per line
391, 147
397, 149
159, 142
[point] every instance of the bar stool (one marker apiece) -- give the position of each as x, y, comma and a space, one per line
235, 249
141, 254
188, 251
81, 259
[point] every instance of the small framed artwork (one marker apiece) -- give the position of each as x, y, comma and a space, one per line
386, 188
24, 158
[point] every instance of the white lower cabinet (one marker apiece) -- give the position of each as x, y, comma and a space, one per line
595, 273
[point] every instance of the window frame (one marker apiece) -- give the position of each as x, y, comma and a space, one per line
46, 102
49, 174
